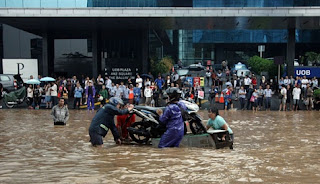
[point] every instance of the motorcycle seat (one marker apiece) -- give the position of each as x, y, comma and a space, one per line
151, 109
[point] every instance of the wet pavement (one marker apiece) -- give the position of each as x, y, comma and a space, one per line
270, 147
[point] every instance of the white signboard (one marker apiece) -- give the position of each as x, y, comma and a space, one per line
261, 48
25, 67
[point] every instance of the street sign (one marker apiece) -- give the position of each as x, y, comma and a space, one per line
261, 48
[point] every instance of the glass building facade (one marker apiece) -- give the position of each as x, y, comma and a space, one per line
154, 3
120, 44
255, 3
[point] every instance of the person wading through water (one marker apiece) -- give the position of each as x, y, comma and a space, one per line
104, 120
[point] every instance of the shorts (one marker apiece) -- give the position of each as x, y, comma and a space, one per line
296, 101
47, 99
95, 138
284, 101
148, 100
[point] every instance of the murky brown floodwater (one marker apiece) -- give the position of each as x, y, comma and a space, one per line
270, 147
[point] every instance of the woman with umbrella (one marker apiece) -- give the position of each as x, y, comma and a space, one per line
47, 89
31, 82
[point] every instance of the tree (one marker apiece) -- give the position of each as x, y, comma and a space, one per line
163, 66
313, 57
259, 65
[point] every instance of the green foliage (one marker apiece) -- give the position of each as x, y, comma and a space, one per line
316, 94
313, 57
163, 66
259, 65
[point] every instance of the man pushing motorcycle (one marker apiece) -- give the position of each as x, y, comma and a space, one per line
172, 118
104, 120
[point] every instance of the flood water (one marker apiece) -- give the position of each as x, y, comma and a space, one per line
270, 147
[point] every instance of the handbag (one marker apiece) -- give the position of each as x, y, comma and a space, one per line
252, 99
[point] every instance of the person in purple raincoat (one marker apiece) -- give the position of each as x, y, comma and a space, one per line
172, 118
90, 93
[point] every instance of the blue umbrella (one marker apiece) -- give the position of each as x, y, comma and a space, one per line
47, 79
33, 81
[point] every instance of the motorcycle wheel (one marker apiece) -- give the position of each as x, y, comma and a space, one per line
8, 105
139, 138
197, 127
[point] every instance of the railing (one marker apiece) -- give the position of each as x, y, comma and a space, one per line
83, 3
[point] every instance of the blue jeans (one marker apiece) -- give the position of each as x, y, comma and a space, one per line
268, 103
242, 102
90, 101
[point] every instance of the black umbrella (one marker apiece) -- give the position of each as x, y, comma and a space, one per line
146, 76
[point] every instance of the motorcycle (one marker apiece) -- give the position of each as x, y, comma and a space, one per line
15, 97
150, 127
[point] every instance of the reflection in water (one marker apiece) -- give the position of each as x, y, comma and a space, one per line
270, 147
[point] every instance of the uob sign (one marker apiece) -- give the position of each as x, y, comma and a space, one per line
303, 72
309, 72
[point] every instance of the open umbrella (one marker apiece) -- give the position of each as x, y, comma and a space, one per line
47, 79
33, 81
146, 76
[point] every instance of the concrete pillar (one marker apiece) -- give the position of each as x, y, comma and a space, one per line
47, 66
175, 55
219, 54
96, 54
145, 51
291, 46
45, 55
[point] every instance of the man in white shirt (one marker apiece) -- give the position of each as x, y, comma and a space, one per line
139, 81
208, 75
314, 82
304, 83
148, 94
108, 83
296, 93
283, 101
286, 81
54, 93
268, 94
247, 82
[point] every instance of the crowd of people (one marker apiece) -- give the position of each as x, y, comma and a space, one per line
252, 94
257, 95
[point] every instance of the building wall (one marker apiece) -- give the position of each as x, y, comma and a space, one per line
17, 43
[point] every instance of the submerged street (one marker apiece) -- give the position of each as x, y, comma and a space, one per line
269, 147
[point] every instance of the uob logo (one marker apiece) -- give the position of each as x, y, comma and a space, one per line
303, 72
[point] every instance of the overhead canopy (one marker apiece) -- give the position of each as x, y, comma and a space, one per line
81, 22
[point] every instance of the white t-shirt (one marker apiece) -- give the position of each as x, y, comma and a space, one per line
304, 83
109, 83
148, 92
208, 74
139, 81
296, 93
101, 81
284, 92
54, 92
286, 81
47, 91
30, 93
247, 81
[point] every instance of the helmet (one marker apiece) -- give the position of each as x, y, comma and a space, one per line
173, 93
100, 98
115, 101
